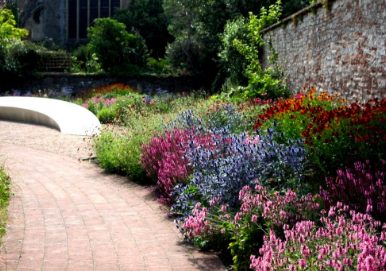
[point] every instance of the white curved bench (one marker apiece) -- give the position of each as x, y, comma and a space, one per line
66, 117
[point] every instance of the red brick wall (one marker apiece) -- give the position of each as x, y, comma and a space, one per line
342, 49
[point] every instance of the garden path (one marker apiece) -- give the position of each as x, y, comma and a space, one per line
67, 214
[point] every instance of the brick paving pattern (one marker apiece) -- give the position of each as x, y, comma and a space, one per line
67, 214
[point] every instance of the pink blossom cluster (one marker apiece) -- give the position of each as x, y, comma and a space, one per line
275, 208
257, 205
101, 101
347, 240
362, 186
164, 158
197, 224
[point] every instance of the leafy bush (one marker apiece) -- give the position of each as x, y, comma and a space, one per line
84, 60
361, 186
4, 199
114, 46
342, 242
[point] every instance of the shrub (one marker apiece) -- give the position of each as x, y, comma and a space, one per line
361, 186
84, 60
343, 242
114, 46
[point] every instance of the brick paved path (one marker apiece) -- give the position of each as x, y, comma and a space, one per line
68, 215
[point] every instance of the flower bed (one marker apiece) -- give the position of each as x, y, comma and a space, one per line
251, 193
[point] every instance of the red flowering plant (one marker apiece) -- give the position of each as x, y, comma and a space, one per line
294, 114
345, 240
336, 133
346, 134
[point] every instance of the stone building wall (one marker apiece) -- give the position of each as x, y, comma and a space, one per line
47, 20
341, 49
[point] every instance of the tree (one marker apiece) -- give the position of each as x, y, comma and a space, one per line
8, 30
114, 46
147, 17
197, 25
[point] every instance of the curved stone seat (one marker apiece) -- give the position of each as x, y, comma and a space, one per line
66, 117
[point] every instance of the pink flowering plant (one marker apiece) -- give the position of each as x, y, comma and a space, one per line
164, 159
343, 240
361, 186
261, 210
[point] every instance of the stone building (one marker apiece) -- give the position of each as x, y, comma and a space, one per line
64, 21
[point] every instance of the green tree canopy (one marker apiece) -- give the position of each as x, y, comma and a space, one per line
8, 30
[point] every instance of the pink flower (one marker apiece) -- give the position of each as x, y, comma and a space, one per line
302, 263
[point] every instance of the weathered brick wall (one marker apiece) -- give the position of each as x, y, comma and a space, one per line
342, 49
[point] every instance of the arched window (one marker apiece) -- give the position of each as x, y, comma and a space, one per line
81, 13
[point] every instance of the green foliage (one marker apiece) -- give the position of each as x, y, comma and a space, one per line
187, 55
246, 39
8, 30
233, 62
196, 26
120, 154
4, 199
148, 19
114, 46
107, 114
143, 117
159, 66
84, 60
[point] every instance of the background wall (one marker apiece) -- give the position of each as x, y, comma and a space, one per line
338, 49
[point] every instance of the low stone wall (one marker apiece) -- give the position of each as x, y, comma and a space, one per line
72, 84
338, 49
